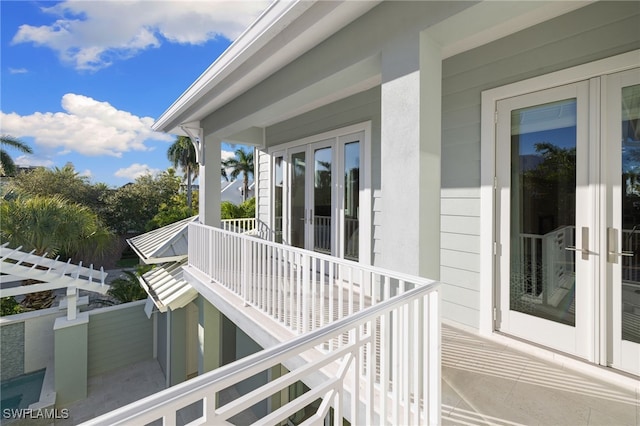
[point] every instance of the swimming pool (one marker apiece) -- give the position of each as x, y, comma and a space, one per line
21, 391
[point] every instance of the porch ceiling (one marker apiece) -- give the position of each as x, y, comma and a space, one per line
287, 30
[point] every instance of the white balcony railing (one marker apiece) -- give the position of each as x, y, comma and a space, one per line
386, 372
367, 344
242, 225
301, 289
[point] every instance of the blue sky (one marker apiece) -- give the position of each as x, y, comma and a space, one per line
82, 81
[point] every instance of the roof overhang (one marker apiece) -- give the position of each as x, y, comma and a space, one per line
286, 30
162, 245
166, 287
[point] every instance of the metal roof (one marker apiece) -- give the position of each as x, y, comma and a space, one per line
165, 244
167, 288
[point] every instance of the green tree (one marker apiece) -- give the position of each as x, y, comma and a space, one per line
242, 164
7, 166
127, 288
132, 206
9, 306
65, 182
182, 154
53, 225
174, 210
246, 209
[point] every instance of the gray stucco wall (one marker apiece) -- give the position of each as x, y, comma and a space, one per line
119, 336
587, 34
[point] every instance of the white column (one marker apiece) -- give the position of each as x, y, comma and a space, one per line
430, 155
410, 141
209, 183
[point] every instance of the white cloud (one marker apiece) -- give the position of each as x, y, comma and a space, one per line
33, 161
86, 173
135, 171
91, 35
87, 126
18, 70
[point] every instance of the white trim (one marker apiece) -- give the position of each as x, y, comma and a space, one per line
487, 157
490, 98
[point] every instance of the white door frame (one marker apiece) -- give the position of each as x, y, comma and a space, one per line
488, 244
576, 340
340, 136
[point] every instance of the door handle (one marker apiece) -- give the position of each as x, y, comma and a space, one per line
585, 244
612, 244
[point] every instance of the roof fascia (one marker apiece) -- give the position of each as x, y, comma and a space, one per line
273, 20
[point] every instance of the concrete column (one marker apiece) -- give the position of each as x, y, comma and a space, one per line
209, 182
410, 146
209, 336
71, 343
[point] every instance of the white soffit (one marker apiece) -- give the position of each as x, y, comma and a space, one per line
279, 36
491, 20
166, 287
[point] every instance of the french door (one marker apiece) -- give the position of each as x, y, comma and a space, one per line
312, 196
568, 209
316, 190
621, 130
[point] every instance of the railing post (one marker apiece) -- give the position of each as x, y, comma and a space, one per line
306, 292
245, 262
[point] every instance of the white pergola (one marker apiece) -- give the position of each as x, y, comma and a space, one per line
17, 265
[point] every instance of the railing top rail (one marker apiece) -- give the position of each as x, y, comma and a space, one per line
322, 256
253, 363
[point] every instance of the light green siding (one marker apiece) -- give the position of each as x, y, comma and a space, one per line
587, 34
118, 337
70, 370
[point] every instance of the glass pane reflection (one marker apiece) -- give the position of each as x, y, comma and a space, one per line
631, 213
543, 199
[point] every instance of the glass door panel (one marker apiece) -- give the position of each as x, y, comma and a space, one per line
351, 205
278, 197
298, 199
622, 121
543, 207
322, 200
542, 170
630, 262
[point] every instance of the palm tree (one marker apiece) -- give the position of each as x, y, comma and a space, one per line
242, 164
182, 154
51, 225
7, 166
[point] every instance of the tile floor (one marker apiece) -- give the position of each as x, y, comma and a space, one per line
483, 383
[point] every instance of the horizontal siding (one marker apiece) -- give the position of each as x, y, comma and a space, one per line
118, 337
263, 190
593, 32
